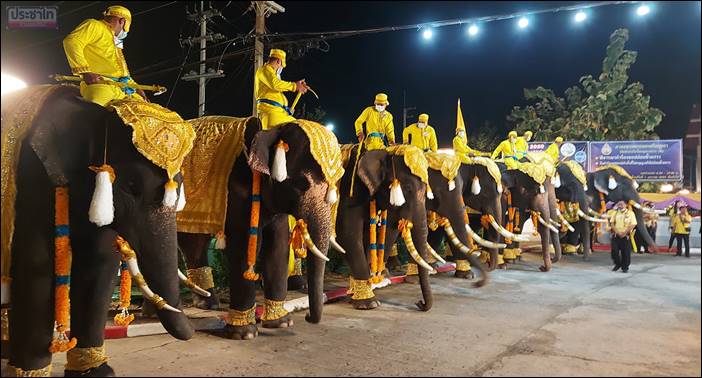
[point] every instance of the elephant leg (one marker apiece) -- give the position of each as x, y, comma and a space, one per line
354, 238
583, 227
419, 237
556, 242
276, 253
95, 265
545, 244
194, 248
241, 322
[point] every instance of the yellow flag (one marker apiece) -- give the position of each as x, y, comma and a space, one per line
460, 125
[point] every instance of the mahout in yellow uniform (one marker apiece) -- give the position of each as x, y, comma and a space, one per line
379, 126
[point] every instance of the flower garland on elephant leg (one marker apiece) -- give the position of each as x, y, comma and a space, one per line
372, 235
511, 252
124, 318
517, 230
251, 250
62, 271
381, 247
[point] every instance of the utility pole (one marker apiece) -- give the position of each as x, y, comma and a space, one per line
406, 111
202, 16
263, 9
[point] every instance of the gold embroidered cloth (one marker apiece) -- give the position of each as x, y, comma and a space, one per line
158, 133
577, 171
615, 168
544, 160
324, 148
346, 153
414, 158
537, 172
206, 169
491, 167
18, 112
447, 164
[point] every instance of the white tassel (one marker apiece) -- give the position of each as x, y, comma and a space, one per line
396, 196
542, 189
499, 188
220, 241
612, 183
452, 185
170, 196
636, 184
585, 187
280, 171
556, 181
332, 195
181, 198
475, 187
102, 208
430, 194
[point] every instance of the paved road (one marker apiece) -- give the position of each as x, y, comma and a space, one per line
580, 319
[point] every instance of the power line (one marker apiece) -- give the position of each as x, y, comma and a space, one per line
225, 57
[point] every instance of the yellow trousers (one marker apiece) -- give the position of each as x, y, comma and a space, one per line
272, 116
101, 94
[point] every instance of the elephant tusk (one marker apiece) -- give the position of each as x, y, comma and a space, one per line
547, 224
504, 232
129, 256
454, 239
646, 209
310, 245
189, 283
436, 255
565, 222
589, 218
407, 237
483, 242
332, 241
554, 223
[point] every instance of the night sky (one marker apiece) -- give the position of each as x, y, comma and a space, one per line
488, 73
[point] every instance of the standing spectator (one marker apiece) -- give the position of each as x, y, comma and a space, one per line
671, 212
651, 222
621, 222
681, 229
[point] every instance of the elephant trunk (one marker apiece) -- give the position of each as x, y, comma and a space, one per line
158, 256
317, 214
419, 234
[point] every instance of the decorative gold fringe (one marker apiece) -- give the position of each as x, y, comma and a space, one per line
273, 310
242, 318
82, 359
202, 277
43, 372
462, 265
361, 289
412, 269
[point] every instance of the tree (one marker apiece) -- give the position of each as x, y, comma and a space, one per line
485, 139
606, 108
317, 114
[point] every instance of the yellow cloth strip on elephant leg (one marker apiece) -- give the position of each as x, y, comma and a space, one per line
362, 289
242, 318
381, 245
412, 269
123, 318
249, 274
273, 310
18, 372
82, 359
62, 271
202, 277
517, 222
462, 265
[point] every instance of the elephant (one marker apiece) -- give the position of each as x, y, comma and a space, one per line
67, 136
526, 193
301, 193
376, 171
615, 184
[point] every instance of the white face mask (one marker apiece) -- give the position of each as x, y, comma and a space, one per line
380, 108
421, 125
278, 71
461, 134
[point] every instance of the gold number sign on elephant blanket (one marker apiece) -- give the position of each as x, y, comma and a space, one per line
218, 143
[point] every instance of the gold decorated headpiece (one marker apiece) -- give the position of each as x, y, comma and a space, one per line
577, 171
491, 167
615, 168
447, 164
325, 150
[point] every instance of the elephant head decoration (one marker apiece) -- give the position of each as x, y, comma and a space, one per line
63, 136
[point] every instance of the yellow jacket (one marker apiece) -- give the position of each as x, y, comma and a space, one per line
424, 139
91, 48
460, 145
376, 122
506, 149
269, 86
522, 147
679, 222
620, 221
552, 151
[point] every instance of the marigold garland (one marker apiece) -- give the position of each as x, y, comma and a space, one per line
62, 272
297, 240
124, 318
373, 218
535, 221
510, 216
249, 274
381, 247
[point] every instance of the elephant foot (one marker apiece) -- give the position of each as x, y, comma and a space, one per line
465, 274
247, 332
413, 279
423, 306
103, 370
502, 266
365, 304
297, 283
284, 322
207, 303
545, 268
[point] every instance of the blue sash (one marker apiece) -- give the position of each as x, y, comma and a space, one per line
274, 103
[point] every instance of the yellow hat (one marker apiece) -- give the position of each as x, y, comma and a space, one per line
278, 53
122, 12
381, 99
512, 134
528, 132
423, 118
559, 139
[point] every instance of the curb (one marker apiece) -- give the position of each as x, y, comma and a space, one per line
211, 323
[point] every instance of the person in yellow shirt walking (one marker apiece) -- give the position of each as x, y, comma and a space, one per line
554, 148
680, 222
94, 51
420, 134
621, 222
271, 103
379, 126
507, 150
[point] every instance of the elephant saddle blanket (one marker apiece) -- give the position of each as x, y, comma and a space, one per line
492, 168
19, 110
544, 160
616, 168
206, 170
577, 171
447, 164
533, 170
414, 159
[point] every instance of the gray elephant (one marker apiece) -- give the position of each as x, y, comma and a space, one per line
67, 136
296, 182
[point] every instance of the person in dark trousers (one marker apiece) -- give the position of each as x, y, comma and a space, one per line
680, 223
672, 211
651, 222
621, 222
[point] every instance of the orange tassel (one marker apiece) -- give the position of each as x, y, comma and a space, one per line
62, 272
372, 239
249, 274
124, 318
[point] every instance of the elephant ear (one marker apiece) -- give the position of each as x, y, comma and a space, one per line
253, 126
371, 169
259, 152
